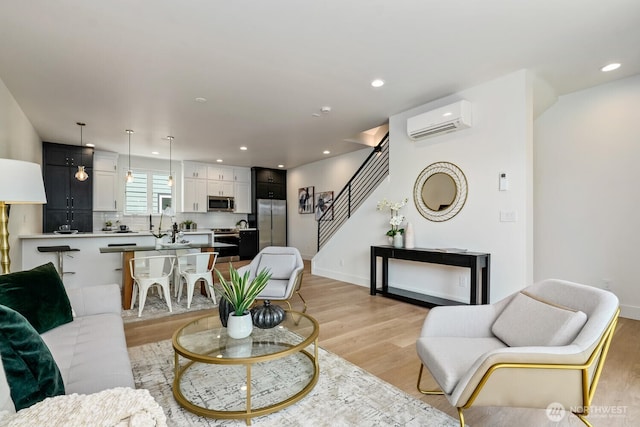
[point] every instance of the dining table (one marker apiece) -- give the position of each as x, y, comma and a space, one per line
128, 251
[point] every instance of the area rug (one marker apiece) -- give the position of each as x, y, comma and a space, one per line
345, 395
155, 307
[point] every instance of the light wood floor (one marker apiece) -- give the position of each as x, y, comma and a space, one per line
379, 335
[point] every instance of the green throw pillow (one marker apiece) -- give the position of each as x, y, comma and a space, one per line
30, 369
39, 295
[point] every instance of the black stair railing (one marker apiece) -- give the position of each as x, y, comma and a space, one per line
372, 171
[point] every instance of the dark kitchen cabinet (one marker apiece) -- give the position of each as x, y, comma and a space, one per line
268, 184
69, 201
248, 244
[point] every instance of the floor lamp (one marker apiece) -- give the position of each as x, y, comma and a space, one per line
20, 183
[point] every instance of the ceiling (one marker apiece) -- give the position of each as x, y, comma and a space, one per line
266, 68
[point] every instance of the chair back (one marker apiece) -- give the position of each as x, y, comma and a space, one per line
201, 262
152, 266
599, 305
281, 261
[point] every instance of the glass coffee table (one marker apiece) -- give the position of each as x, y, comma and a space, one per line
222, 377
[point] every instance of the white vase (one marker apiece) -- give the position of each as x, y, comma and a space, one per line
397, 240
239, 326
158, 242
409, 240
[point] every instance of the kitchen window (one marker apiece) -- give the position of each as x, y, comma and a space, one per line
149, 193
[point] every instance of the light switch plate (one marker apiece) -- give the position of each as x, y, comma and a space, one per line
508, 216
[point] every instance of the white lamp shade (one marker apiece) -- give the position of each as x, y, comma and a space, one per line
21, 182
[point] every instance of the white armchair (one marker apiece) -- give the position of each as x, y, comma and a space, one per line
544, 345
286, 267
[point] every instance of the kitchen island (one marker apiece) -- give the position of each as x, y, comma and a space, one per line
88, 266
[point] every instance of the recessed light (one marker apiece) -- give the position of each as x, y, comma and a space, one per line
326, 152
155, 152
90, 145
280, 166
201, 100
610, 67
219, 160
243, 148
377, 83
325, 110
315, 114
447, 114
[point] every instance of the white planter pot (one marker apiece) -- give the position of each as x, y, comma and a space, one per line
239, 326
397, 240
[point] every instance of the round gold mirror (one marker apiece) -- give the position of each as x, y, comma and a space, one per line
440, 191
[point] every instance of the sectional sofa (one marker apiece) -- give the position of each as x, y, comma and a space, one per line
57, 342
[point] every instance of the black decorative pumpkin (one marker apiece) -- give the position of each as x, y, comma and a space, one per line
224, 307
267, 316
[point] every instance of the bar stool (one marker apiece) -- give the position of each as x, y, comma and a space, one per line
61, 251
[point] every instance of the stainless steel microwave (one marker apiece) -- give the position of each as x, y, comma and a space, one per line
221, 204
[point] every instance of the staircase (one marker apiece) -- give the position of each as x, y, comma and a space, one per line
374, 169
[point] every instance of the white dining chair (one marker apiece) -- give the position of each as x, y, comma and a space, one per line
155, 271
193, 268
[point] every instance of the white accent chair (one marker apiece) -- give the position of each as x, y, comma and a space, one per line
192, 268
544, 345
153, 273
286, 267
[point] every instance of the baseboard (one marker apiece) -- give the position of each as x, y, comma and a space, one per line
349, 278
630, 312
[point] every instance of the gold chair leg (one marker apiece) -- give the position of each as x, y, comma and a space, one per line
583, 418
461, 417
427, 392
303, 302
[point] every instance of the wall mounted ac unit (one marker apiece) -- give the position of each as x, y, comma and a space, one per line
441, 120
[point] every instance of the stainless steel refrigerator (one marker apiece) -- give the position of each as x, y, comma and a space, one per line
272, 223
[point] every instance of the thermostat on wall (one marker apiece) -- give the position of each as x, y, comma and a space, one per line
503, 182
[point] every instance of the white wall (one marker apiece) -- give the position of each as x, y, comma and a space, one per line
586, 190
325, 175
19, 140
499, 141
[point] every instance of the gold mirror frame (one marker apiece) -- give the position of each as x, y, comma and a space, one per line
460, 198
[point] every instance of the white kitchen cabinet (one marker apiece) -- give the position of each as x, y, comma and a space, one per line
194, 195
219, 173
220, 188
242, 197
105, 188
105, 161
194, 170
105, 181
241, 174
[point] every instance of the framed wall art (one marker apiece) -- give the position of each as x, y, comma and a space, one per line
322, 206
305, 200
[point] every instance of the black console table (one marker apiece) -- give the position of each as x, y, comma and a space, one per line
477, 263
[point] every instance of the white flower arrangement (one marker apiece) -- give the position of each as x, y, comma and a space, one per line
396, 219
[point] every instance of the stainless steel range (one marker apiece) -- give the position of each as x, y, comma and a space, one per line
246, 241
225, 232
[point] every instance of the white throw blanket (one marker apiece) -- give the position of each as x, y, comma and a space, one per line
121, 407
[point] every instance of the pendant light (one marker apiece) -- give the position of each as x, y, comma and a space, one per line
170, 181
129, 177
81, 174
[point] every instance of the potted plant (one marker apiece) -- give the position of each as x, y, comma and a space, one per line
187, 224
241, 294
395, 233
